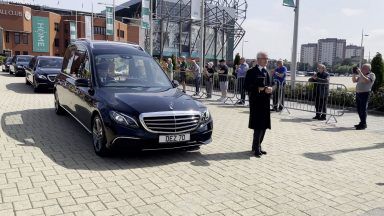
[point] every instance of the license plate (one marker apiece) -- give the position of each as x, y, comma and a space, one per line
174, 138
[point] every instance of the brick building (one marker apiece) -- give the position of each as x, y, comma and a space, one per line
23, 30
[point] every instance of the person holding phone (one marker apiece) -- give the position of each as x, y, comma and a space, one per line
258, 83
364, 80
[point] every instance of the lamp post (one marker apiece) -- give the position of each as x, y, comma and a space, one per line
242, 48
202, 37
361, 47
294, 48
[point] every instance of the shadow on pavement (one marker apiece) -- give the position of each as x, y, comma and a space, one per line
69, 145
327, 156
298, 120
334, 129
22, 88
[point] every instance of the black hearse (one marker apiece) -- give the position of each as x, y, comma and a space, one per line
120, 95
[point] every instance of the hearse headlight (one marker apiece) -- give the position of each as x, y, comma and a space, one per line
41, 76
123, 119
205, 116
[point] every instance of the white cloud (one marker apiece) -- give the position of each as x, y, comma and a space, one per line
377, 33
351, 11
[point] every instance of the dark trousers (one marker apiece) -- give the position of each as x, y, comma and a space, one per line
197, 84
362, 106
258, 137
279, 91
241, 88
321, 106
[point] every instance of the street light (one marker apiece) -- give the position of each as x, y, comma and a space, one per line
242, 48
361, 47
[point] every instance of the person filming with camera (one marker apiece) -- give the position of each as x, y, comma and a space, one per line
364, 80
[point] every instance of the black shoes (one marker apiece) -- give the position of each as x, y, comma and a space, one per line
258, 154
322, 118
361, 126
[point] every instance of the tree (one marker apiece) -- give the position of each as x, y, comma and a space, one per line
378, 69
347, 61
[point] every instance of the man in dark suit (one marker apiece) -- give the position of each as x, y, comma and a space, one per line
259, 84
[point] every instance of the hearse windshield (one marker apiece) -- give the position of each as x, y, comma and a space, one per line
120, 70
50, 63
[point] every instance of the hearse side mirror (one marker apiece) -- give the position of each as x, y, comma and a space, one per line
175, 83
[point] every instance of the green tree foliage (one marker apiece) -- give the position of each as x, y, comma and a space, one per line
378, 69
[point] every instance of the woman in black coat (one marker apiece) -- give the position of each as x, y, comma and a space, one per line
258, 83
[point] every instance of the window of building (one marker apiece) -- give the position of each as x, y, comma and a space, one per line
7, 37
25, 38
17, 38
57, 42
66, 43
25, 52
17, 52
57, 27
121, 33
66, 28
99, 30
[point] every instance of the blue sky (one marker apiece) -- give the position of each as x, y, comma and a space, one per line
269, 25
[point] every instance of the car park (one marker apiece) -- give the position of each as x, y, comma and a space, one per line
41, 72
120, 95
19, 62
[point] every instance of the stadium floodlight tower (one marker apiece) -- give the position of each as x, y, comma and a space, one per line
175, 33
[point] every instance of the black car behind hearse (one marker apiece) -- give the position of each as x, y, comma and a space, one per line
41, 72
120, 95
18, 64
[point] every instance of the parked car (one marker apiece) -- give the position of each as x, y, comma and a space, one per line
312, 73
5, 66
138, 107
42, 71
18, 64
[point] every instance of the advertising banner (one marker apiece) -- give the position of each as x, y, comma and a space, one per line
88, 27
145, 14
171, 38
73, 33
109, 21
196, 9
40, 34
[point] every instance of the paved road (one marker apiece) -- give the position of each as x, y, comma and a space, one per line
47, 166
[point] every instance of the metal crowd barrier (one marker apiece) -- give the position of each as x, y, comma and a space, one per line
314, 97
319, 98
209, 86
